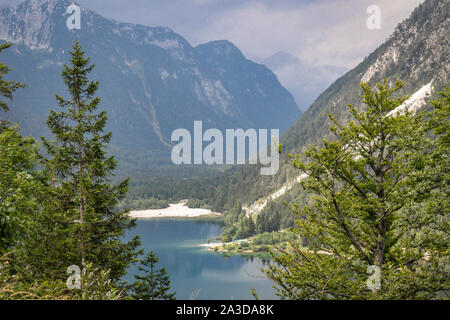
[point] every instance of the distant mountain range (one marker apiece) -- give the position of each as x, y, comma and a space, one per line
305, 82
152, 80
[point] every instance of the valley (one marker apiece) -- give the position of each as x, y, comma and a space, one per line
167, 164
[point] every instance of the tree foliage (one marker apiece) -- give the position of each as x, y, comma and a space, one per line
18, 179
20, 184
380, 174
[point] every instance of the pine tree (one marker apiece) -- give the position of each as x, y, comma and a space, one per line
154, 284
246, 228
79, 223
367, 184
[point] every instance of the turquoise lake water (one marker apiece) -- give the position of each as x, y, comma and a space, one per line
193, 269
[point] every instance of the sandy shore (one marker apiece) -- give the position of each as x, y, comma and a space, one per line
176, 210
218, 244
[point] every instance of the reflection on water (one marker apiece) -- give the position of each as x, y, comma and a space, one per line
191, 267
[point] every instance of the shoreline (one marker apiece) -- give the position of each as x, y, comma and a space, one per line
175, 210
218, 244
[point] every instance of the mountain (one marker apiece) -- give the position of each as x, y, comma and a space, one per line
417, 53
305, 82
152, 81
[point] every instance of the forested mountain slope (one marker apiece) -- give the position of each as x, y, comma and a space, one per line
417, 53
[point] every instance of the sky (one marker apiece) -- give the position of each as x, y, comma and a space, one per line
318, 32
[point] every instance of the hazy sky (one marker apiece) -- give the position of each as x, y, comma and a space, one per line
316, 31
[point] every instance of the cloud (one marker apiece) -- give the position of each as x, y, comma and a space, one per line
321, 32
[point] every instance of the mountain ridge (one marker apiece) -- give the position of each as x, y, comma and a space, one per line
152, 80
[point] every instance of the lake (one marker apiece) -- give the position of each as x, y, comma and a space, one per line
194, 269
